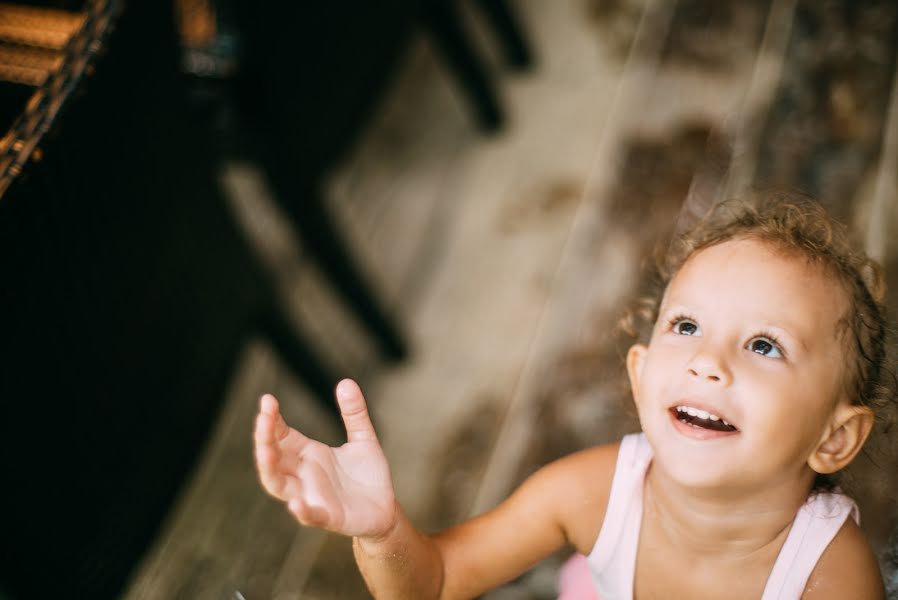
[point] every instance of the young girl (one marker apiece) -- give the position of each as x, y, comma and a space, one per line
759, 381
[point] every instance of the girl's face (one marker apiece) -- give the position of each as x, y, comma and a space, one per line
744, 368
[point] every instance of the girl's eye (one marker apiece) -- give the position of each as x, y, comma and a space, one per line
686, 327
765, 347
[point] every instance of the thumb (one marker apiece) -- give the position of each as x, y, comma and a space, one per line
354, 412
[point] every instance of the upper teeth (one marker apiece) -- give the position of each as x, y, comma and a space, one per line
701, 414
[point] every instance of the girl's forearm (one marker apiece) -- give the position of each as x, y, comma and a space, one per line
404, 563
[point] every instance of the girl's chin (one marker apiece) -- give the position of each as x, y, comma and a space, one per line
696, 463
696, 476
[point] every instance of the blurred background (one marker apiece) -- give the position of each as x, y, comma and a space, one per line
451, 201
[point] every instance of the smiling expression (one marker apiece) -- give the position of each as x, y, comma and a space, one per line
744, 368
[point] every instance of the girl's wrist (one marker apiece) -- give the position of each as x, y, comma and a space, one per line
379, 539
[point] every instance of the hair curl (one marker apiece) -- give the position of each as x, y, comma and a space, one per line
798, 226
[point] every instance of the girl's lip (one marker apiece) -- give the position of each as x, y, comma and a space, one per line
697, 433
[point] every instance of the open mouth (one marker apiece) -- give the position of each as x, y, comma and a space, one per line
701, 419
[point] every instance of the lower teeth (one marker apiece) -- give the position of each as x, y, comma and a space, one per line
704, 423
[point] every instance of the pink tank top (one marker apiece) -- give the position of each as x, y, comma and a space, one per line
612, 561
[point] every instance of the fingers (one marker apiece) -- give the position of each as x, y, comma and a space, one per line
272, 478
268, 405
264, 432
271, 428
270, 457
354, 412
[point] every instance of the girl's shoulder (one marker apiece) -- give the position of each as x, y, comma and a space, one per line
581, 485
847, 569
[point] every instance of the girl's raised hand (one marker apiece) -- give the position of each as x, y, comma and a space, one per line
347, 489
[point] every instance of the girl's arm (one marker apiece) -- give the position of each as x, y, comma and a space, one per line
348, 490
562, 503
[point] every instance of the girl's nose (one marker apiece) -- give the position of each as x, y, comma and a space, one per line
708, 366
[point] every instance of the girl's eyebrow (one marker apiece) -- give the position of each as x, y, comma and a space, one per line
673, 308
787, 333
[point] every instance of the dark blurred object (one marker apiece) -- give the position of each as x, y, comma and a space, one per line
824, 130
127, 294
442, 21
290, 86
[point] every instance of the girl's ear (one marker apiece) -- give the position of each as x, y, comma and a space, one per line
844, 436
635, 361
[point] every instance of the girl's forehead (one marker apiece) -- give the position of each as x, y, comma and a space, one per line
758, 278
744, 257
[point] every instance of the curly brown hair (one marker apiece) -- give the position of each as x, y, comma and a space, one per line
798, 226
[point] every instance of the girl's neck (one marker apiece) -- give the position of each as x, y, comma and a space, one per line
709, 523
